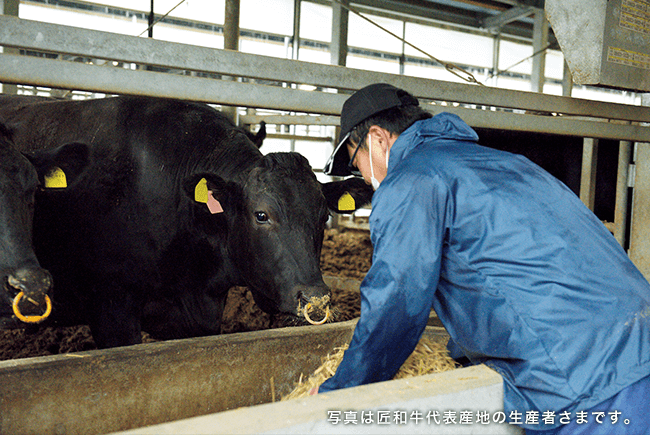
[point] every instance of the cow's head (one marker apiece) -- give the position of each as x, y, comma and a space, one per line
26, 284
21, 278
347, 196
276, 223
284, 221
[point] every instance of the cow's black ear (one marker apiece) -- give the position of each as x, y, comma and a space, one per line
348, 195
209, 190
258, 138
60, 167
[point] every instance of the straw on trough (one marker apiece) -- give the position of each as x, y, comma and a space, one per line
428, 357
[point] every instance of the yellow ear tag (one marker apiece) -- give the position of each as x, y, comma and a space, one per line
346, 202
55, 179
201, 191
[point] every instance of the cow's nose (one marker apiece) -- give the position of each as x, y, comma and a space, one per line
314, 304
34, 282
306, 294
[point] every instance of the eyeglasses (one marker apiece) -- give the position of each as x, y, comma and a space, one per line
351, 167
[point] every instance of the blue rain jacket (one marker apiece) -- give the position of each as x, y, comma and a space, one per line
523, 276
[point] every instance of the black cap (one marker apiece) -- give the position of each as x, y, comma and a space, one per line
363, 104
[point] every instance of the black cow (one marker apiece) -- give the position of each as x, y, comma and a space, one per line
20, 272
174, 206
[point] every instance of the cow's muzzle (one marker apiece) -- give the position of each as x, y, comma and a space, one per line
27, 288
314, 305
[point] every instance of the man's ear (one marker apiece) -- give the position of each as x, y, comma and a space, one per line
209, 191
380, 136
60, 167
348, 195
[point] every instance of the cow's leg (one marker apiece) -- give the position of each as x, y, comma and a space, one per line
116, 320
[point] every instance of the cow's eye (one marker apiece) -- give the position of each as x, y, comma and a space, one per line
261, 217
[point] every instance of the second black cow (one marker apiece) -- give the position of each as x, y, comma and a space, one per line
24, 285
174, 206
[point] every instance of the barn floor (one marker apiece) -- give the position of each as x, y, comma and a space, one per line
345, 254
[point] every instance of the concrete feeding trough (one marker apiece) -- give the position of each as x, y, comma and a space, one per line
133, 387
371, 409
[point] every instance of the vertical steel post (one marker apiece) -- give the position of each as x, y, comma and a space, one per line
296, 28
338, 56
402, 56
567, 81
620, 210
9, 7
231, 42
640, 226
640, 221
588, 174
231, 26
540, 41
151, 19
339, 44
496, 53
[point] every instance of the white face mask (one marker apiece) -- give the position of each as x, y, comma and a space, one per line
375, 183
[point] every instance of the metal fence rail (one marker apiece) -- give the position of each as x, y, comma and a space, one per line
44, 37
38, 71
253, 81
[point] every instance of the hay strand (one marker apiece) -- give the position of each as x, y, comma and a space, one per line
428, 357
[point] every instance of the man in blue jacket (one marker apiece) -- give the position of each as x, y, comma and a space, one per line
524, 277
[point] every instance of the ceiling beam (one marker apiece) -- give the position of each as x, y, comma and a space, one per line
424, 9
496, 22
448, 12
